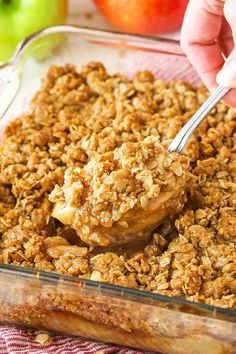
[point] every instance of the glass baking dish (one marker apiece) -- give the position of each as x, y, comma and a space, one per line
87, 308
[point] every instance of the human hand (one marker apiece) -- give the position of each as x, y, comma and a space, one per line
208, 38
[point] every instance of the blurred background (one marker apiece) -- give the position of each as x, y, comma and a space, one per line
89, 13
19, 18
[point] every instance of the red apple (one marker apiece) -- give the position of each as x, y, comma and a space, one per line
143, 16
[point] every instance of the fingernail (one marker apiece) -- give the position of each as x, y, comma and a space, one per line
226, 77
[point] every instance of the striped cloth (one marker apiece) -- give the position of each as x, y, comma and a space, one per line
14, 340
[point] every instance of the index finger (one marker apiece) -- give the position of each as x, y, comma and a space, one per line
200, 30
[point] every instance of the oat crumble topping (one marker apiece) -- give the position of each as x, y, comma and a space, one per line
76, 119
123, 195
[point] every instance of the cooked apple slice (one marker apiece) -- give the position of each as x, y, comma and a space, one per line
122, 195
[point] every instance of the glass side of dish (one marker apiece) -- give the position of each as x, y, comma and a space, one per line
109, 104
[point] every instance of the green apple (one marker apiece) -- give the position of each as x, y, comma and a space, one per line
19, 18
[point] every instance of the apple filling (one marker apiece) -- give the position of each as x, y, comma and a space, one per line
122, 195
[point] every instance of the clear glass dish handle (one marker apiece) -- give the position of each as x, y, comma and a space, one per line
9, 86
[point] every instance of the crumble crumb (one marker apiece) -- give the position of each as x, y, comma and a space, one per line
44, 339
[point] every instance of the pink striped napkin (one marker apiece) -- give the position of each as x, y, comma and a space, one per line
14, 340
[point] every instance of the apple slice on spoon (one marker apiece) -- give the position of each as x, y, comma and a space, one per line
123, 195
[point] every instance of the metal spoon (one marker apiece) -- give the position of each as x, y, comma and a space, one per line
188, 129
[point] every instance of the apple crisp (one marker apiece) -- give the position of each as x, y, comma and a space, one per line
79, 122
122, 195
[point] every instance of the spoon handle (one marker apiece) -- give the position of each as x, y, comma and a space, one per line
188, 129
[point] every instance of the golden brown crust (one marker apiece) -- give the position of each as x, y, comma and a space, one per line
76, 116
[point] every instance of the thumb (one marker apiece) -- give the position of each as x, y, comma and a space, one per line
227, 75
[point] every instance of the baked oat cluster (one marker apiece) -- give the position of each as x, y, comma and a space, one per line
76, 119
122, 195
